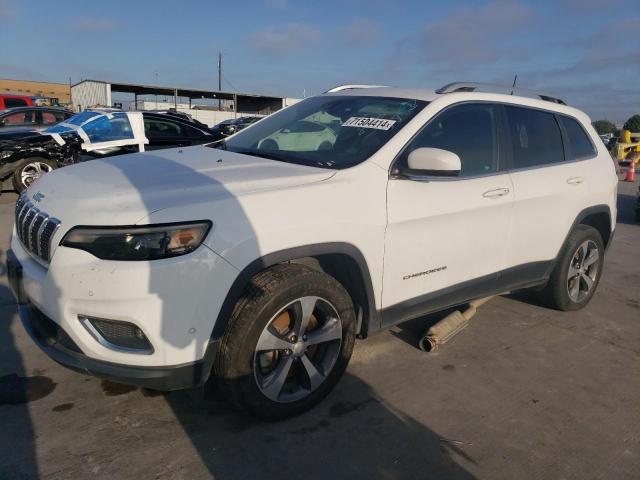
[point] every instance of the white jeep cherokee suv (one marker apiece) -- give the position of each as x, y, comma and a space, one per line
259, 263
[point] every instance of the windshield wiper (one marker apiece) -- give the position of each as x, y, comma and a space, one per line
219, 144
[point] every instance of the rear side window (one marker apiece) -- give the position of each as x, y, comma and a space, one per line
535, 137
14, 102
49, 118
578, 143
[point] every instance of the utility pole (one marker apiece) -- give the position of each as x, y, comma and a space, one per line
156, 93
219, 78
515, 80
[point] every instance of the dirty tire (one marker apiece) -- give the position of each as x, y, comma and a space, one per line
266, 295
18, 184
556, 293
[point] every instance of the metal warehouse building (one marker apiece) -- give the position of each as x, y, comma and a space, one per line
93, 93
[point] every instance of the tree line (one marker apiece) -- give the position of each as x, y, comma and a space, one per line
605, 126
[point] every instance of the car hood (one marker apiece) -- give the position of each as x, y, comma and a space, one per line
19, 130
12, 135
126, 189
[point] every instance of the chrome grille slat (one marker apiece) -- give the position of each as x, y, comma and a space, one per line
45, 240
39, 235
35, 229
30, 226
24, 226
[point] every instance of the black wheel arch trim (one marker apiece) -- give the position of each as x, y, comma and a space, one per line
370, 318
587, 212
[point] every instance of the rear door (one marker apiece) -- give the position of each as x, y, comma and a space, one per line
549, 188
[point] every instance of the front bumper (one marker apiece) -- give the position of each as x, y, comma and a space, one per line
174, 302
56, 343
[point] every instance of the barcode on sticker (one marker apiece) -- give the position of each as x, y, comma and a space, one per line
366, 122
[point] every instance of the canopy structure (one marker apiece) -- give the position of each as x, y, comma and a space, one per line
91, 93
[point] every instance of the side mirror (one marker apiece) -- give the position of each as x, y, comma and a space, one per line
434, 161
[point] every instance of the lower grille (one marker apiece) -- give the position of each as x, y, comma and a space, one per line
34, 228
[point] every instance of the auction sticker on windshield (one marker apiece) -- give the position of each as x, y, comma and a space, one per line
366, 122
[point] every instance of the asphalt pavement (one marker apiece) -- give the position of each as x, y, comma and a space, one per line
523, 393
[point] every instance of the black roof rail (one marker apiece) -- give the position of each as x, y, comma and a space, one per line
492, 87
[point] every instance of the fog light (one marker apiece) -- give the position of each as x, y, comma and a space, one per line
117, 335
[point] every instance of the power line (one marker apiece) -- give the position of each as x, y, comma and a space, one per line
229, 83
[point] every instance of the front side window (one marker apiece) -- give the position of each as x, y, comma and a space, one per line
467, 130
20, 118
578, 143
105, 129
535, 137
326, 131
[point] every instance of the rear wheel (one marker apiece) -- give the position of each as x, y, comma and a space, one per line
288, 342
29, 170
576, 275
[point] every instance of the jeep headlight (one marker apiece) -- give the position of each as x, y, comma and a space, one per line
149, 242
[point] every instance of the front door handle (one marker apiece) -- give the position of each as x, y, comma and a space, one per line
496, 193
575, 180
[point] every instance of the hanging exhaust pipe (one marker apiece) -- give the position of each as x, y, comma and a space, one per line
449, 326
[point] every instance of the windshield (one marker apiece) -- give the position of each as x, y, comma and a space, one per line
98, 127
326, 131
77, 120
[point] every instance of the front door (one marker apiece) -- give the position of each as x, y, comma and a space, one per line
446, 237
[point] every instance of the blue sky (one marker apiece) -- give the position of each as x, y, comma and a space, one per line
586, 51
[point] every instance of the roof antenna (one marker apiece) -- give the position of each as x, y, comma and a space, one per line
515, 79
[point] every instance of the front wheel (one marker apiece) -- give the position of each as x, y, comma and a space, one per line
288, 343
29, 170
577, 272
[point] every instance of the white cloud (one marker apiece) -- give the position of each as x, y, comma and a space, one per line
93, 25
7, 10
283, 40
473, 34
361, 33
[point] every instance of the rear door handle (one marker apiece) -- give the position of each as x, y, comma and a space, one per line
496, 193
575, 180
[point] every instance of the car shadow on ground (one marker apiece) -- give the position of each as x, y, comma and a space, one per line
626, 209
17, 389
352, 434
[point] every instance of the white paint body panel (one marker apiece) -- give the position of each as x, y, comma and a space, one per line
435, 224
259, 206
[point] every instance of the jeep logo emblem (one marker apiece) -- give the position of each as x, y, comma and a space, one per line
38, 196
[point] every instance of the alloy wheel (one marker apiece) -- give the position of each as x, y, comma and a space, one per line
297, 349
32, 171
583, 271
